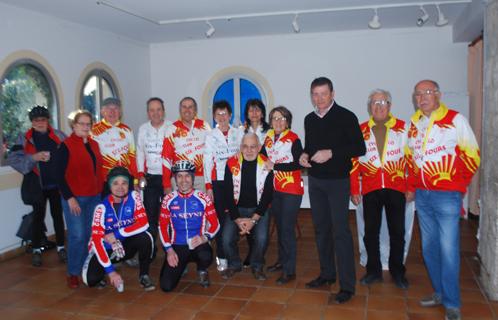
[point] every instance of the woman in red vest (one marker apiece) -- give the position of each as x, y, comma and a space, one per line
283, 148
80, 182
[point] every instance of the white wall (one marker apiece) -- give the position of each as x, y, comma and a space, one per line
356, 61
69, 48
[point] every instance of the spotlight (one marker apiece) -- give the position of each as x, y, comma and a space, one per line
375, 22
441, 19
423, 19
211, 30
295, 24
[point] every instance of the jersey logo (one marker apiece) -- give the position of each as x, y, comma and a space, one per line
284, 178
235, 171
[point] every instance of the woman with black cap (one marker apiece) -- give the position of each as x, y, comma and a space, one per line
32, 156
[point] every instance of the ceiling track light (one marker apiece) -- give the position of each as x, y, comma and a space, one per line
375, 22
211, 30
423, 18
441, 19
295, 24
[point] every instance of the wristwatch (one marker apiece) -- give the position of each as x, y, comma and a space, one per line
254, 221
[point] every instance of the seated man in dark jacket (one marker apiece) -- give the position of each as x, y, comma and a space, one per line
249, 191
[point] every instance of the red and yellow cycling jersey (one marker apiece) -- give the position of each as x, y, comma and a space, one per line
117, 146
386, 170
183, 143
443, 151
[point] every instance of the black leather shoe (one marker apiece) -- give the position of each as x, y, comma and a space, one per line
228, 273
247, 261
401, 282
369, 279
36, 259
318, 282
275, 267
284, 278
343, 296
259, 274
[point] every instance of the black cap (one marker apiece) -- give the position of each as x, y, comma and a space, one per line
118, 171
38, 112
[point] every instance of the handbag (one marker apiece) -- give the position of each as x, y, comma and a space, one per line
31, 191
25, 230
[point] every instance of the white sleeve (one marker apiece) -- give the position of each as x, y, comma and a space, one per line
141, 149
208, 158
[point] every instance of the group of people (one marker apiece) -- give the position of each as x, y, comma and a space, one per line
201, 184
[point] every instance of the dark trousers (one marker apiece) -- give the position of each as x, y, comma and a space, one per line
260, 236
201, 255
285, 207
153, 195
219, 205
394, 202
40, 209
329, 200
142, 243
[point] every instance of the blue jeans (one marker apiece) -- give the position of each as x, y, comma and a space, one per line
260, 240
438, 215
79, 229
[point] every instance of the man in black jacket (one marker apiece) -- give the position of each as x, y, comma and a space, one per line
332, 138
248, 194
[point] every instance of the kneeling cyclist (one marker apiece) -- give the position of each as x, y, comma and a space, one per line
187, 222
119, 231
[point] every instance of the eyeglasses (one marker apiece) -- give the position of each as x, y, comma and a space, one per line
419, 94
279, 119
84, 124
380, 103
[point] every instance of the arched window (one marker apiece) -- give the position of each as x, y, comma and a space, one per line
236, 85
97, 86
25, 83
237, 91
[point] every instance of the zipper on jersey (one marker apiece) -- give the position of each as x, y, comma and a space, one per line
185, 218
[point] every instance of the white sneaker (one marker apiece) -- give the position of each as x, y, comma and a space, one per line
222, 264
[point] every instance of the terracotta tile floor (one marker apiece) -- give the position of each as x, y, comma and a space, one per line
41, 293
